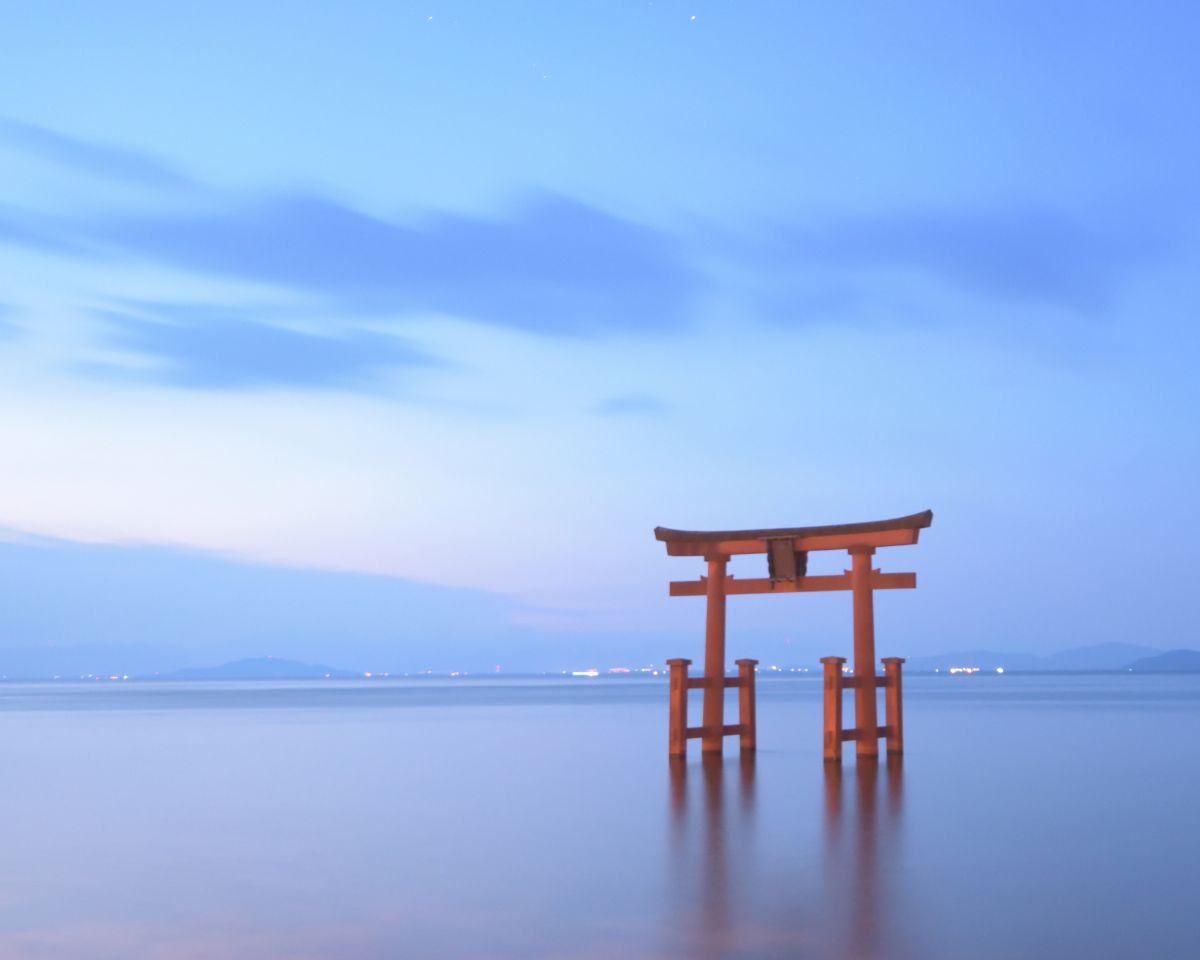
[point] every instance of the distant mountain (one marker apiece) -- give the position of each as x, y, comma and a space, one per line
1101, 656
1173, 661
260, 668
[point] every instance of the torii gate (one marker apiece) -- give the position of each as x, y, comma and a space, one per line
787, 550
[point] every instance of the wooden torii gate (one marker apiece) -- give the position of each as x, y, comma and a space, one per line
787, 550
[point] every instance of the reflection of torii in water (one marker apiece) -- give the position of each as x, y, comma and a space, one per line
712, 927
722, 907
787, 550
868, 916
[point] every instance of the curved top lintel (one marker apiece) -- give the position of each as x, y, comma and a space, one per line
914, 521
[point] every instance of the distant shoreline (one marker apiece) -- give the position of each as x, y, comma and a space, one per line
486, 677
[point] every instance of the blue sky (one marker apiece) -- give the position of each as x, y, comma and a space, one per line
468, 297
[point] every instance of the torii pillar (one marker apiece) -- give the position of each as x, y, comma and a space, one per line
864, 650
714, 656
787, 552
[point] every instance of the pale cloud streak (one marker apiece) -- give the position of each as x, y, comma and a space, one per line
225, 348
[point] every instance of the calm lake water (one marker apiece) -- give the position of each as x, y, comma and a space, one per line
1051, 816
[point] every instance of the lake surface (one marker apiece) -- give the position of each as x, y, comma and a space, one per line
1033, 816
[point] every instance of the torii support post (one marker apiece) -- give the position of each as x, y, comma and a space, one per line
832, 741
677, 722
747, 718
893, 704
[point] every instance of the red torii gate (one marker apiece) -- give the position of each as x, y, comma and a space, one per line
787, 550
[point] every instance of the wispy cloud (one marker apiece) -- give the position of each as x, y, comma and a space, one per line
553, 266
221, 348
557, 266
89, 157
1006, 255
